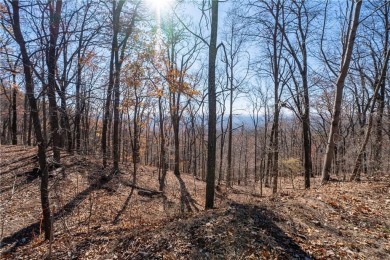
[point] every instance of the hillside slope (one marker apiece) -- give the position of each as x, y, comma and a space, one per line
98, 218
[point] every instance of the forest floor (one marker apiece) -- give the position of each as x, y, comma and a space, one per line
95, 218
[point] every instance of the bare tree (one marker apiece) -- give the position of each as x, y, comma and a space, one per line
181, 54
10, 66
272, 21
211, 144
118, 48
55, 9
345, 61
296, 43
235, 40
379, 82
258, 100
16, 33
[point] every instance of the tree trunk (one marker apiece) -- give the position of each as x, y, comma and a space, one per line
30, 122
194, 154
116, 119
334, 128
246, 162
255, 144
29, 84
239, 161
220, 174
202, 149
176, 141
4, 132
25, 127
163, 159
77, 118
14, 114
107, 106
230, 136
119, 55
379, 132
113, 85
307, 148
44, 114
135, 137
51, 60
381, 102
275, 148
211, 145
65, 124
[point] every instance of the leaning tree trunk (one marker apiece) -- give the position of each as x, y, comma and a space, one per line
34, 114
382, 78
334, 128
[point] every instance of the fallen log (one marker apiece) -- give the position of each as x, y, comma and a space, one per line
143, 191
150, 193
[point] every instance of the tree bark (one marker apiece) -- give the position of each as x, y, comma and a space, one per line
51, 61
163, 159
230, 133
274, 142
222, 144
334, 128
381, 101
275, 146
14, 112
107, 109
211, 145
29, 83
25, 117
114, 51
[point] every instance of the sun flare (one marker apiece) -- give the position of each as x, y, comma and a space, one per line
159, 5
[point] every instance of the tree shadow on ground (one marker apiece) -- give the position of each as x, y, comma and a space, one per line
244, 230
20, 180
26, 234
241, 231
187, 203
124, 207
